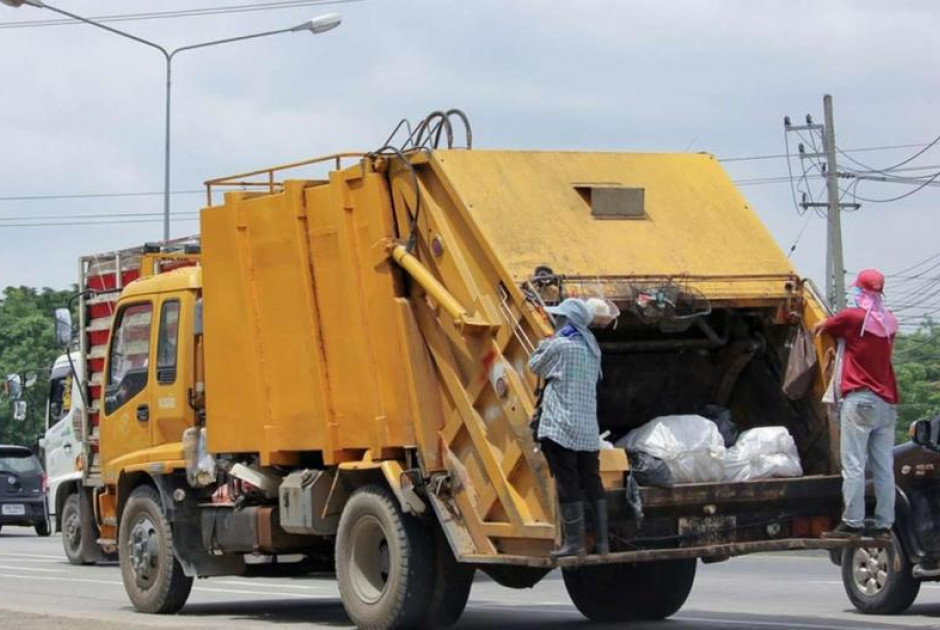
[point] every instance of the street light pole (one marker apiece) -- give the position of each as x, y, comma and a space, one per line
317, 25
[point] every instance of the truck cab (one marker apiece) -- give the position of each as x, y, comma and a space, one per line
62, 440
149, 374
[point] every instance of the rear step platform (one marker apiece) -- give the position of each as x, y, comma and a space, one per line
725, 550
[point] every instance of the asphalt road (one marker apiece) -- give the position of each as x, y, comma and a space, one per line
40, 590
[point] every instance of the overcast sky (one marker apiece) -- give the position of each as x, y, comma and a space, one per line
83, 109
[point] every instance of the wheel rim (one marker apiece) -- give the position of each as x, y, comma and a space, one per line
142, 550
72, 528
870, 569
370, 560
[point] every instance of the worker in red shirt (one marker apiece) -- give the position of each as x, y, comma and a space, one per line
869, 393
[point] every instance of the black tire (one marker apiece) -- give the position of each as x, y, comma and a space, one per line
628, 592
879, 582
76, 533
450, 586
157, 583
42, 528
382, 560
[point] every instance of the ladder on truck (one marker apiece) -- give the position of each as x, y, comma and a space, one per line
102, 278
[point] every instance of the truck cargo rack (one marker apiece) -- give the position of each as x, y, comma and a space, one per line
264, 180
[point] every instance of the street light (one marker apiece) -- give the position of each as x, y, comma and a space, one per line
317, 25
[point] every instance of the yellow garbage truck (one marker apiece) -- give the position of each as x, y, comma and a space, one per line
335, 378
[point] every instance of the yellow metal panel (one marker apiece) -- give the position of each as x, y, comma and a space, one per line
528, 208
258, 314
234, 401
303, 347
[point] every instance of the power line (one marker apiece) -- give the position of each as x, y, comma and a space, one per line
782, 156
888, 169
159, 15
101, 215
97, 195
88, 223
916, 190
914, 266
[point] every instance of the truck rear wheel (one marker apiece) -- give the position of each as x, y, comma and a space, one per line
450, 585
76, 531
153, 578
879, 581
626, 592
382, 560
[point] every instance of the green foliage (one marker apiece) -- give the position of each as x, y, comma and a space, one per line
27, 344
917, 364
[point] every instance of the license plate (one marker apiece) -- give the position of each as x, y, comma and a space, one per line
13, 509
707, 529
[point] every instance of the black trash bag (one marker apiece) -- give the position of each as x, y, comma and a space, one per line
649, 470
634, 501
722, 419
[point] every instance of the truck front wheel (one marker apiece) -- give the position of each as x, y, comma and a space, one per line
153, 578
383, 559
627, 592
879, 581
76, 531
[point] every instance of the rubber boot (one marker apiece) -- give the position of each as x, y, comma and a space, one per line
602, 545
572, 517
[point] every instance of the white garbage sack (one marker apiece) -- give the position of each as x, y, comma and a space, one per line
763, 453
691, 446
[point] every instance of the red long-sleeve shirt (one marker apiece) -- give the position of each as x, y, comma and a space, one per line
867, 362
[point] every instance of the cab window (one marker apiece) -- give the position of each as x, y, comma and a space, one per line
60, 389
167, 342
127, 360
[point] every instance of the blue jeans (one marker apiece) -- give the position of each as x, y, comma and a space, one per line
867, 433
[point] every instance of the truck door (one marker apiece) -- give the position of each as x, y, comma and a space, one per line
172, 413
128, 405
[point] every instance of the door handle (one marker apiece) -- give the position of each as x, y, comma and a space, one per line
143, 413
67, 448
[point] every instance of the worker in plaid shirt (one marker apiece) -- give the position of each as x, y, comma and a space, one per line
570, 364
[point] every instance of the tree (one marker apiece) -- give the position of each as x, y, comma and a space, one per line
27, 345
917, 364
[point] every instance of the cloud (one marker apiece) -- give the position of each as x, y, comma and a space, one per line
86, 113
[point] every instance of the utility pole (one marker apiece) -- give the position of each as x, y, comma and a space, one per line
834, 225
835, 267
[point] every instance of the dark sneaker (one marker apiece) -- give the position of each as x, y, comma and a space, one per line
844, 531
879, 533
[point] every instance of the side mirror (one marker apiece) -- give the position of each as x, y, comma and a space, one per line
63, 327
922, 433
14, 386
19, 410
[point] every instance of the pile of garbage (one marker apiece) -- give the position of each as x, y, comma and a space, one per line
693, 448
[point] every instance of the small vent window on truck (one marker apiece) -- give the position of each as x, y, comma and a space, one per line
127, 364
613, 201
167, 342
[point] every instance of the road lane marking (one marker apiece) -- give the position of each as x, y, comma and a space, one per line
198, 588
268, 585
3, 566
57, 579
30, 555
788, 625
228, 591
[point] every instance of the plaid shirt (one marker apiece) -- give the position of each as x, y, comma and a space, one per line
569, 403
